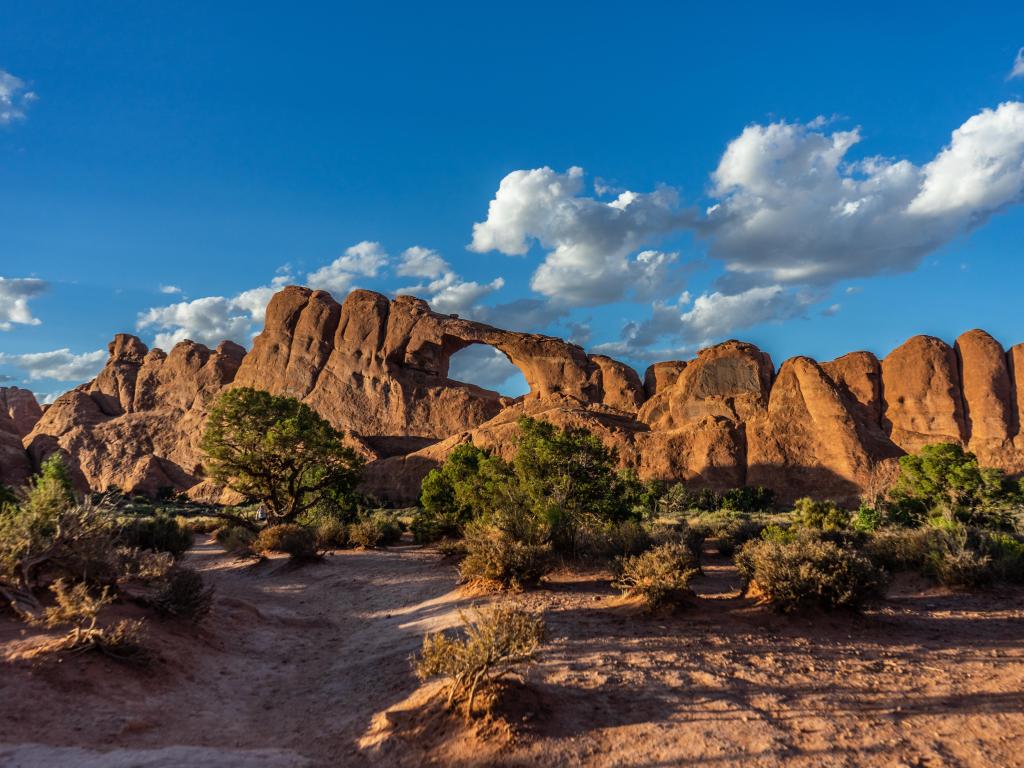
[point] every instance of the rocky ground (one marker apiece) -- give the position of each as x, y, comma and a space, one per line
310, 666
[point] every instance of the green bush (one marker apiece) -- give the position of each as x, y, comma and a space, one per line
955, 558
867, 519
200, 523
901, 549
613, 540
806, 571
236, 539
729, 530
376, 530
679, 500
494, 642
1007, 553
184, 595
296, 541
748, 499
159, 533
497, 557
822, 515
660, 577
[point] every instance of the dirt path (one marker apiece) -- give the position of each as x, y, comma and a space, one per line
295, 664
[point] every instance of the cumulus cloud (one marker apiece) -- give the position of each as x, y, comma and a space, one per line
450, 294
489, 368
793, 210
60, 364
15, 293
1018, 66
418, 261
14, 98
170, 289
211, 319
363, 259
588, 241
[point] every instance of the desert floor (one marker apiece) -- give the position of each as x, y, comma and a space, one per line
311, 666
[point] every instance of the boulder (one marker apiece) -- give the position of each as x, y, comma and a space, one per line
661, 375
21, 407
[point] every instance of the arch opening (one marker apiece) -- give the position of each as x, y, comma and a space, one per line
487, 367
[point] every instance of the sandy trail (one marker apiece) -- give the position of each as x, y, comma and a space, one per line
296, 662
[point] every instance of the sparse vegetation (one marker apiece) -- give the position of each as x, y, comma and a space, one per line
294, 540
821, 515
375, 530
798, 569
77, 608
184, 595
160, 533
237, 540
494, 642
660, 577
498, 557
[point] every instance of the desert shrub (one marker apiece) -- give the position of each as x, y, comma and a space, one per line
7, 495
296, 541
495, 556
729, 530
1007, 553
76, 607
955, 558
806, 571
184, 595
901, 549
613, 540
430, 526
822, 515
452, 548
330, 533
455, 493
144, 564
375, 530
236, 539
748, 499
160, 533
494, 642
679, 501
867, 519
660, 577
200, 523
50, 535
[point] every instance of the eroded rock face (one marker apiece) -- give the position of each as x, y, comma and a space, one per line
378, 369
15, 467
21, 407
137, 426
923, 402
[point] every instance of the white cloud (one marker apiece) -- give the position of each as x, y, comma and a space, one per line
170, 289
489, 368
60, 364
211, 319
363, 259
14, 98
421, 262
793, 210
589, 241
1018, 66
450, 294
15, 293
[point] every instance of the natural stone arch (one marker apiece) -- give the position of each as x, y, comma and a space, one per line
513, 383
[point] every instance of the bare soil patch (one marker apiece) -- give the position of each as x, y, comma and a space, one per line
310, 666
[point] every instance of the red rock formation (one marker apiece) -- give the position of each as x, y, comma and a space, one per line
21, 407
379, 370
921, 386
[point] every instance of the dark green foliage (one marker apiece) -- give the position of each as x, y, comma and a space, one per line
867, 519
661, 576
296, 541
7, 495
375, 530
679, 501
800, 570
822, 515
957, 558
1007, 554
497, 557
278, 451
159, 533
728, 530
184, 595
748, 499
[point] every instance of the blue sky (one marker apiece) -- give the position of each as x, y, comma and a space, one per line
217, 151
